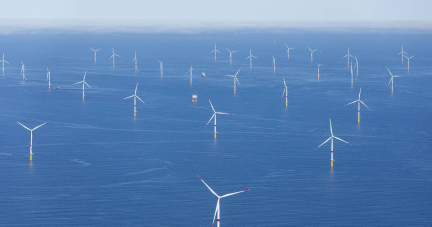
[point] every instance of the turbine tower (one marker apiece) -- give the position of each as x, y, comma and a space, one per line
408, 58
274, 64
48, 79
135, 96
161, 67
285, 92
83, 82
214, 116
113, 56
190, 73
319, 65
312, 53
288, 51
95, 51
358, 101
402, 53
217, 211
348, 57
23, 70
391, 80
136, 62
250, 58
3, 61
331, 138
31, 136
235, 80
230, 56
215, 52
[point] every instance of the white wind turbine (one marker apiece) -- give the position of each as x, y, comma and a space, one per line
161, 67
274, 64
31, 136
230, 57
402, 53
3, 61
214, 116
285, 92
113, 56
83, 82
356, 65
352, 75
23, 70
312, 53
408, 60
250, 58
391, 79
135, 96
217, 211
95, 53
48, 79
348, 57
235, 80
136, 62
190, 73
288, 51
358, 101
331, 138
319, 65
215, 51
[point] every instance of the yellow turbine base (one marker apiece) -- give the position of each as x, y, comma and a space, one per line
359, 120
392, 91
49, 86
331, 164
234, 91
351, 84
286, 103
134, 114
357, 73
161, 74
215, 135
318, 78
31, 157
83, 97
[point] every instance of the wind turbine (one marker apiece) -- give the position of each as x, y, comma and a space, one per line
352, 75
113, 56
348, 57
356, 65
214, 116
402, 54
95, 53
161, 67
319, 65
250, 58
135, 96
230, 57
312, 53
215, 51
288, 51
31, 136
391, 79
83, 82
235, 80
408, 60
217, 211
358, 101
331, 138
48, 79
3, 61
274, 64
190, 71
285, 92
23, 70
136, 62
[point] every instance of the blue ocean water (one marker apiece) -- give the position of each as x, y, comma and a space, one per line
95, 164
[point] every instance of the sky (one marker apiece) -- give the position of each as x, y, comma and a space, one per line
75, 13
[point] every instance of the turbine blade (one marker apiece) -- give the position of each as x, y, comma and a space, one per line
351, 102
210, 119
214, 193
140, 99
40, 125
23, 125
212, 106
78, 82
364, 104
323, 143
230, 194
128, 97
342, 140
87, 84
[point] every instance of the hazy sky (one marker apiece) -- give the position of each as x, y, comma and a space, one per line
221, 10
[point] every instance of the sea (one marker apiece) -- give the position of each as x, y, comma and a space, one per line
95, 164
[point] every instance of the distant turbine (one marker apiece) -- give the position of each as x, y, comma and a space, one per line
48, 79
230, 57
331, 138
288, 51
285, 92
136, 62
348, 57
217, 211
215, 51
3, 61
95, 53
356, 65
190, 75
358, 101
83, 82
312, 53
135, 96
352, 75
250, 58
274, 64
391, 79
408, 60
161, 67
31, 136
23, 70
235, 80
402, 54
319, 65
214, 116
113, 56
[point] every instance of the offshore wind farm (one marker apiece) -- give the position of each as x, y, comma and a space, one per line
97, 164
